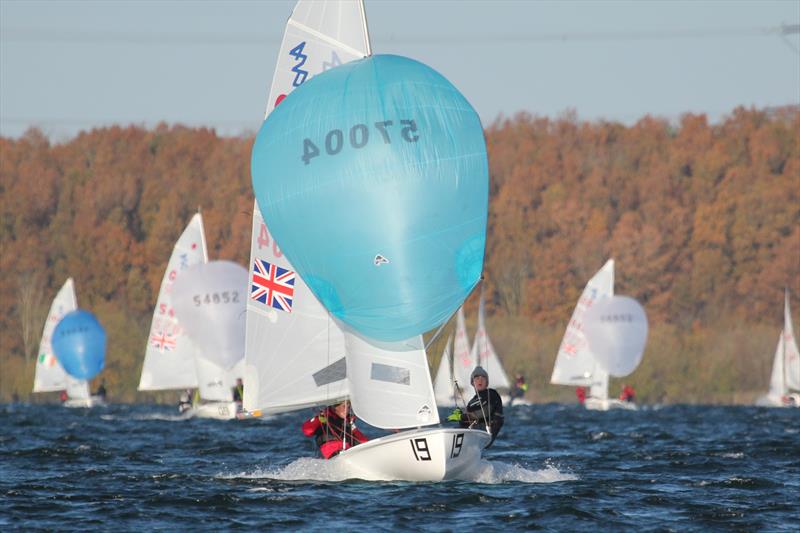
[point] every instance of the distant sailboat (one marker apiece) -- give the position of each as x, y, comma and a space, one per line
463, 361
443, 388
784, 384
484, 354
575, 363
50, 375
172, 360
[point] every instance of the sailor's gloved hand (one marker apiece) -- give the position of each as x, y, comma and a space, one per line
322, 419
455, 416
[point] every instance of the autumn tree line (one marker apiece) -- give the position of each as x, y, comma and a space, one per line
703, 221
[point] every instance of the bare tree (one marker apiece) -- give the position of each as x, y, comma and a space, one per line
30, 293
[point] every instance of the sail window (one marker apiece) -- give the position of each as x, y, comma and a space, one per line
332, 373
390, 374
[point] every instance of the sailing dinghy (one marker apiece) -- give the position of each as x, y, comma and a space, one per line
303, 348
173, 361
576, 364
784, 383
50, 375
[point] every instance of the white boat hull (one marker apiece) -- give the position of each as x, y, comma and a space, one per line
507, 402
215, 410
597, 404
417, 455
788, 400
94, 401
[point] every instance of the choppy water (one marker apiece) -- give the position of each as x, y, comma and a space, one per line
554, 468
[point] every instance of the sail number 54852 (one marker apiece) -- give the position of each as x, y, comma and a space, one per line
359, 137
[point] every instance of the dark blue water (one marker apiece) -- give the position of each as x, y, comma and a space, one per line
554, 468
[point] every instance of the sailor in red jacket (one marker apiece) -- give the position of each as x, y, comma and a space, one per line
332, 433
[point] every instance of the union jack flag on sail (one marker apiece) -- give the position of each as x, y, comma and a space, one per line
163, 341
272, 285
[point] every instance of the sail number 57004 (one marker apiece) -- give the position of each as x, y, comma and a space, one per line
359, 136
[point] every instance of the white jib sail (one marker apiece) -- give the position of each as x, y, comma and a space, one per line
50, 375
483, 354
390, 384
213, 383
777, 387
786, 363
169, 361
575, 364
294, 351
443, 384
463, 363
791, 353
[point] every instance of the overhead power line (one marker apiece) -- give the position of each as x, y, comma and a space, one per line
62, 36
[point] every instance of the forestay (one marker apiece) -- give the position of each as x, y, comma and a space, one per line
484, 354
169, 357
575, 363
294, 351
50, 375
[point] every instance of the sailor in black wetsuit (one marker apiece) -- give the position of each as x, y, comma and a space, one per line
485, 409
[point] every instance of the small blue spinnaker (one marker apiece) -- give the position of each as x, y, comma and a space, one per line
79, 344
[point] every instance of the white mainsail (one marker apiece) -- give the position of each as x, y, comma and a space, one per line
786, 363
294, 351
575, 364
484, 354
443, 383
50, 375
169, 361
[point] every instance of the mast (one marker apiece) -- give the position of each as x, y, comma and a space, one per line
366, 29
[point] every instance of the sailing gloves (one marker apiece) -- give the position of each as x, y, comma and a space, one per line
455, 416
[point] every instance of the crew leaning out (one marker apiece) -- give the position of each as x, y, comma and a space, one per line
334, 430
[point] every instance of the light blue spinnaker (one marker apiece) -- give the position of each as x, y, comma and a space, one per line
373, 178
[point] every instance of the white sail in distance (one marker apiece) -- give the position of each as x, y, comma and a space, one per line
575, 364
463, 362
484, 354
50, 375
443, 383
786, 362
294, 351
169, 361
